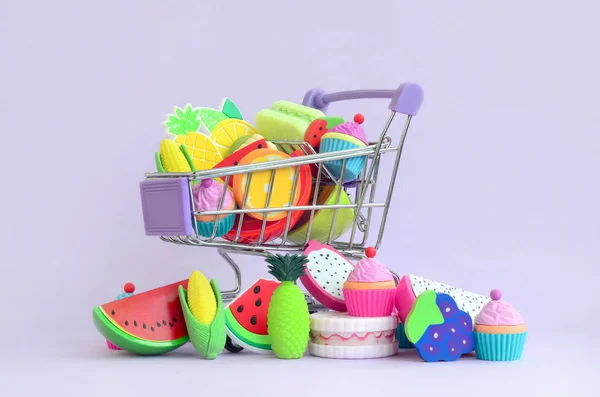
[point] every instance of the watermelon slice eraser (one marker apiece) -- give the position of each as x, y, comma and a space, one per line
208, 340
325, 274
439, 330
246, 317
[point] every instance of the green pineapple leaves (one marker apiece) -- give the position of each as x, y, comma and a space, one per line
286, 267
190, 119
182, 121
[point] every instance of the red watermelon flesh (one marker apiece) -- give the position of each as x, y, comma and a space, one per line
235, 157
250, 309
154, 315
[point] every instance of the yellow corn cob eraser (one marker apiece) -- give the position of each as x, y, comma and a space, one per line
172, 158
201, 298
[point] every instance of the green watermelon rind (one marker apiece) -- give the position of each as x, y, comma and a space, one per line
259, 341
131, 343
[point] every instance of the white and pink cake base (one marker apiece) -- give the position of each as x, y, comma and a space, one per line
339, 335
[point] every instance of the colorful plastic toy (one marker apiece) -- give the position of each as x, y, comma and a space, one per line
285, 120
323, 219
438, 328
206, 325
250, 232
326, 271
349, 135
338, 335
207, 197
238, 154
411, 286
500, 331
149, 323
246, 317
226, 132
370, 288
288, 317
173, 158
257, 189
203, 151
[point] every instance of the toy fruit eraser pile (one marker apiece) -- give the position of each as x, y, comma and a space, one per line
368, 314
359, 308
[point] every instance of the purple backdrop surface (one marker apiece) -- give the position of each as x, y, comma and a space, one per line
498, 186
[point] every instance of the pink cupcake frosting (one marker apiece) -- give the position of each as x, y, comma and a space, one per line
369, 270
498, 312
207, 196
351, 128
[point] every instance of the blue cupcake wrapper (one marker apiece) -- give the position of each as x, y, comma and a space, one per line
354, 165
403, 342
499, 347
205, 229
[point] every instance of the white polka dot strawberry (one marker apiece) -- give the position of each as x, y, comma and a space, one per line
438, 328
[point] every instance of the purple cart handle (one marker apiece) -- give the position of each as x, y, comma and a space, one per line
406, 99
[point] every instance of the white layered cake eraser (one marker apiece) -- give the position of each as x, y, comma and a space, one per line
339, 335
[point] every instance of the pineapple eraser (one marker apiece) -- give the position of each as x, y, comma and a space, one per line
339, 335
288, 318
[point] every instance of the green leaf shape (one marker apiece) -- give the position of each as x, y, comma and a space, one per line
183, 121
424, 313
286, 267
231, 110
211, 117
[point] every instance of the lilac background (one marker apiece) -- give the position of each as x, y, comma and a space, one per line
498, 187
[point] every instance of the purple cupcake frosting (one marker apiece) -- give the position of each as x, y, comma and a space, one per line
351, 128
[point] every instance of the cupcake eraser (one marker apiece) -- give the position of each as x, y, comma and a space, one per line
339, 335
439, 330
325, 273
500, 330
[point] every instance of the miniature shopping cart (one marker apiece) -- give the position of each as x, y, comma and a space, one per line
169, 210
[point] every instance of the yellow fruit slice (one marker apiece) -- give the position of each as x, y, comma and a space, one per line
201, 298
227, 131
202, 150
283, 184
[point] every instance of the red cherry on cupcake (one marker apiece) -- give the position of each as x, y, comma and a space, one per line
359, 118
129, 288
315, 132
370, 252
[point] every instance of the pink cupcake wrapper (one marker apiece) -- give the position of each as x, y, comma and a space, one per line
112, 346
369, 303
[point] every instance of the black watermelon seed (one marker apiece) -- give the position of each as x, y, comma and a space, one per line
164, 322
258, 302
235, 163
174, 320
260, 145
112, 312
134, 323
152, 329
240, 308
253, 320
144, 326
126, 323
257, 289
170, 324
314, 136
158, 324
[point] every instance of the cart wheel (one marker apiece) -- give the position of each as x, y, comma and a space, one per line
232, 347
